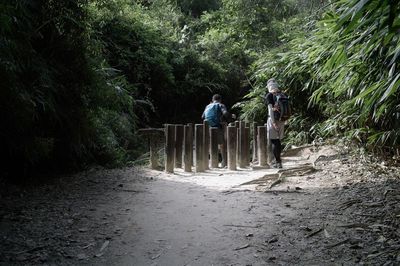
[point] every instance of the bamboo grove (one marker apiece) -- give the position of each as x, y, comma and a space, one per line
343, 74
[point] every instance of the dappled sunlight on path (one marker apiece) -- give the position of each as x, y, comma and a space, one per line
217, 179
224, 179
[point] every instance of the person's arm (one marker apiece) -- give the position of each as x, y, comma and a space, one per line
228, 116
270, 103
271, 113
203, 116
224, 111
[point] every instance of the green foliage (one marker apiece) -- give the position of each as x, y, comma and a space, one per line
153, 48
138, 53
232, 37
60, 108
360, 72
79, 77
196, 8
42, 54
287, 63
345, 69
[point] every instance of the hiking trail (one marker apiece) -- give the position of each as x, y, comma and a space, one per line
325, 207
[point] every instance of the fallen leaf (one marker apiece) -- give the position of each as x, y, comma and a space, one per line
156, 256
105, 244
242, 247
381, 239
273, 240
82, 256
89, 245
326, 233
314, 233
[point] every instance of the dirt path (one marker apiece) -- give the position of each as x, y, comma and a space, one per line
141, 217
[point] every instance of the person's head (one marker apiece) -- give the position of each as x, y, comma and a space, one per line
272, 86
216, 98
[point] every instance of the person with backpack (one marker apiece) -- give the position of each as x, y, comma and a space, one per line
215, 113
278, 112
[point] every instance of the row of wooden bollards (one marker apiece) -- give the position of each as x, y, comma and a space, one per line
197, 145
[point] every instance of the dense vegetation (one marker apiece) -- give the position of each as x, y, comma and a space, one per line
78, 77
343, 74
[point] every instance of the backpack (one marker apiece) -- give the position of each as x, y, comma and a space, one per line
282, 104
212, 114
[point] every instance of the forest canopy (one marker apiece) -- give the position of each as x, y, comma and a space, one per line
79, 77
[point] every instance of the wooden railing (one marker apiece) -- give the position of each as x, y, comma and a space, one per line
195, 147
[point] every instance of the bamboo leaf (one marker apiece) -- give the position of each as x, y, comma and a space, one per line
391, 89
353, 12
392, 69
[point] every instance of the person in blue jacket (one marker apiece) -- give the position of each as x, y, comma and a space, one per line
214, 114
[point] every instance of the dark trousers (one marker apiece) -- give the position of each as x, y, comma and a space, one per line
276, 149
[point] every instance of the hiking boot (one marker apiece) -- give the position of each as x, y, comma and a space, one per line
278, 165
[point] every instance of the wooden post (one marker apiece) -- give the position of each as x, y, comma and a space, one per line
214, 146
247, 146
153, 151
199, 149
262, 152
242, 145
153, 135
237, 125
206, 145
188, 148
178, 145
224, 148
254, 159
231, 140
191, 131
169, 148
